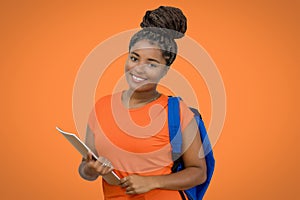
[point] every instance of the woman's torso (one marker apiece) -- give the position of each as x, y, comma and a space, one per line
136, 141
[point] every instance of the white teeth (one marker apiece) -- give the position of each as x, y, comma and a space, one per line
137, 79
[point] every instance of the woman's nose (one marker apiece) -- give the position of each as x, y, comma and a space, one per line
140, 68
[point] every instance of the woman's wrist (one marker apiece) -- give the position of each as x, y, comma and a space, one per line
88, 172
155, 182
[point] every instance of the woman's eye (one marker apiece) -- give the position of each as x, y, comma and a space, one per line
152, 65
133, 58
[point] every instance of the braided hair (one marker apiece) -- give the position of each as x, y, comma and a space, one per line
161, 27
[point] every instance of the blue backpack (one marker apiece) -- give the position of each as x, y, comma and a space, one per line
197, 192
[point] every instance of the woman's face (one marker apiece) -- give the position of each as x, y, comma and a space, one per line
145, 66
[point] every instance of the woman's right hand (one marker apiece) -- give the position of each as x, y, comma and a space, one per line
98, 167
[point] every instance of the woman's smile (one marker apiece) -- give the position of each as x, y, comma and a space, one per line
137, 79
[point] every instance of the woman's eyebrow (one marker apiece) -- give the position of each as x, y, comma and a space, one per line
135, 53
153, 60
149, 59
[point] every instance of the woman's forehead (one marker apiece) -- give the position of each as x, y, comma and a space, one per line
145, 44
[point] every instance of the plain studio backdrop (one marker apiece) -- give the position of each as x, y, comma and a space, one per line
255, 45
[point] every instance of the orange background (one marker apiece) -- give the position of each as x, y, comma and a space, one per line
255, 45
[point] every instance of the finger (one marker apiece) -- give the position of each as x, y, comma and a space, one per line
130, 190
89, 156
123, 180
124, 185
101, 166
109, 170
106, 170
102, 169
105, 162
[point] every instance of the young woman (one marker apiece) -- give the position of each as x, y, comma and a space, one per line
130, 128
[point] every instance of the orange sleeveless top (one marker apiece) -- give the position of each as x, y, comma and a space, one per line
136, 141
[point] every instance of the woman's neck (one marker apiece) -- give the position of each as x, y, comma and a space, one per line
132, 99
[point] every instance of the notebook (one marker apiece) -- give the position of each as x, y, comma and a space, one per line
112, 178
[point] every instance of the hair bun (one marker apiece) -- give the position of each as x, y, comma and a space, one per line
170, 20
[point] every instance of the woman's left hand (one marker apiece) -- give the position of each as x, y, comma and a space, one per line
136, 184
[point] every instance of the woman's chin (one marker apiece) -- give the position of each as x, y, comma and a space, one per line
141, 88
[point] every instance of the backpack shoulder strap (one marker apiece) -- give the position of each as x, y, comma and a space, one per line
175, 127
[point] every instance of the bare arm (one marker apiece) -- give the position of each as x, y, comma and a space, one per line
90, 169
195, 167
193, 174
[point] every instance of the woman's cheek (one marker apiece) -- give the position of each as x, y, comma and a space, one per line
128, 65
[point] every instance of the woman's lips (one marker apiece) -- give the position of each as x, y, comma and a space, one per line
137, 79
